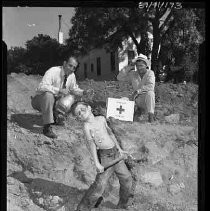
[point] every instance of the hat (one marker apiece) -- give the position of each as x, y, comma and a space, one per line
142, 57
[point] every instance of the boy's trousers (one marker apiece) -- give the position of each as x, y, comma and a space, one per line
97, 188
44, 103
146, 101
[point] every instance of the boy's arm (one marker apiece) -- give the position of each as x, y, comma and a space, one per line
113, 136
93, 149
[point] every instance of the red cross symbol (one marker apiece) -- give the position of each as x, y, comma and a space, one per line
120, 109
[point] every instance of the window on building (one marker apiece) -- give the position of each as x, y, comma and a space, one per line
98, 61
112, 59
92, 68
131, 56
85, 70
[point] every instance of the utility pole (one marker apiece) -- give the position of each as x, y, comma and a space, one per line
60, 33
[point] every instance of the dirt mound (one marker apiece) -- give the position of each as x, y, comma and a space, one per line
45, 174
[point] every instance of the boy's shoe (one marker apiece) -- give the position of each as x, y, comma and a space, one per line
151, 117
100, 199
47, 131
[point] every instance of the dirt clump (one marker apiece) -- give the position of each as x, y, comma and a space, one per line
46, 174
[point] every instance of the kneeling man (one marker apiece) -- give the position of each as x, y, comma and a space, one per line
143, 82
55, 94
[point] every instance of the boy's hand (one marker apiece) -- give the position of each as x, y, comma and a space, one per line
100, 168
123, 153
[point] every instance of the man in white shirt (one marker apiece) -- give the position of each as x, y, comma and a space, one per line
143, 82
58, 83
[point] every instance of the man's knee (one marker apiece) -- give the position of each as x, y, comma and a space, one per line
150, 94
48, 96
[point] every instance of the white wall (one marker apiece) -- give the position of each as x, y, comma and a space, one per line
91, 58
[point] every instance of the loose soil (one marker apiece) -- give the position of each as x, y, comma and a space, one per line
45, 174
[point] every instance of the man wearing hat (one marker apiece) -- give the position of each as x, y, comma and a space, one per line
55, 94
143, 82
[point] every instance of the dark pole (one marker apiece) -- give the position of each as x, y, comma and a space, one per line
59, 29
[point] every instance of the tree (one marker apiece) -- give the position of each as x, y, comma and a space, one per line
42, 53
15, 56
183, 39
94, 27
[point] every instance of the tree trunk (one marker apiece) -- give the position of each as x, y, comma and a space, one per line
155, 49
143, 45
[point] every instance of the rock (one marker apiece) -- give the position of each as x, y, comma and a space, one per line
41, 201
180, 95
173, 118
174, 189
156, 154
153, 178
56, 200
181, 185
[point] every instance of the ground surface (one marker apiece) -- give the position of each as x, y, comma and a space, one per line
45, 174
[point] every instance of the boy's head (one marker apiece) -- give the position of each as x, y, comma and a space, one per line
81, 110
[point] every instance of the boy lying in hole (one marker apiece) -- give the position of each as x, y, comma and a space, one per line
105, 150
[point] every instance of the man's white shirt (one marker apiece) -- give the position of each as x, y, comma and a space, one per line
53, 79
147, 83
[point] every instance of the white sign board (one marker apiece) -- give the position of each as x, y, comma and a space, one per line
120, 109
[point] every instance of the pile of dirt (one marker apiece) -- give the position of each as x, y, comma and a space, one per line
46, 174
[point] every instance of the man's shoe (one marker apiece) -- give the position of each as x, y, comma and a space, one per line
59, 120
47, 131
151, 117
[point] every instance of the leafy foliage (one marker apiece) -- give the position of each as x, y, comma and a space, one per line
15, 56
41, 53
179, 30
94, 27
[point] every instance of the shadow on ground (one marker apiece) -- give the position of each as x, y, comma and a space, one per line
42, 188
32, 122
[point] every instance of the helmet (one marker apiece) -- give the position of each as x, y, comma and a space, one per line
63, 105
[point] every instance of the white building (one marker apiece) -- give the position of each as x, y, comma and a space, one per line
101, 65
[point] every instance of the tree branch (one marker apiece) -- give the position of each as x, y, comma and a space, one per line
133, 38
166, 21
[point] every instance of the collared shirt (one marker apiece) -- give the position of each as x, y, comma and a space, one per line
53, 79
145, 84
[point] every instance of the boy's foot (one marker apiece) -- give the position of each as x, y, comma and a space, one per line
100, 199
47, 131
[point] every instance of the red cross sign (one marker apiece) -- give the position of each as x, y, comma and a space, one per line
120, 109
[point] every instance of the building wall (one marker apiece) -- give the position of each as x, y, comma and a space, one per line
88, 65
122, 57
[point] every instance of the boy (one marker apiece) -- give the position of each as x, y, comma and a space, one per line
104, 148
